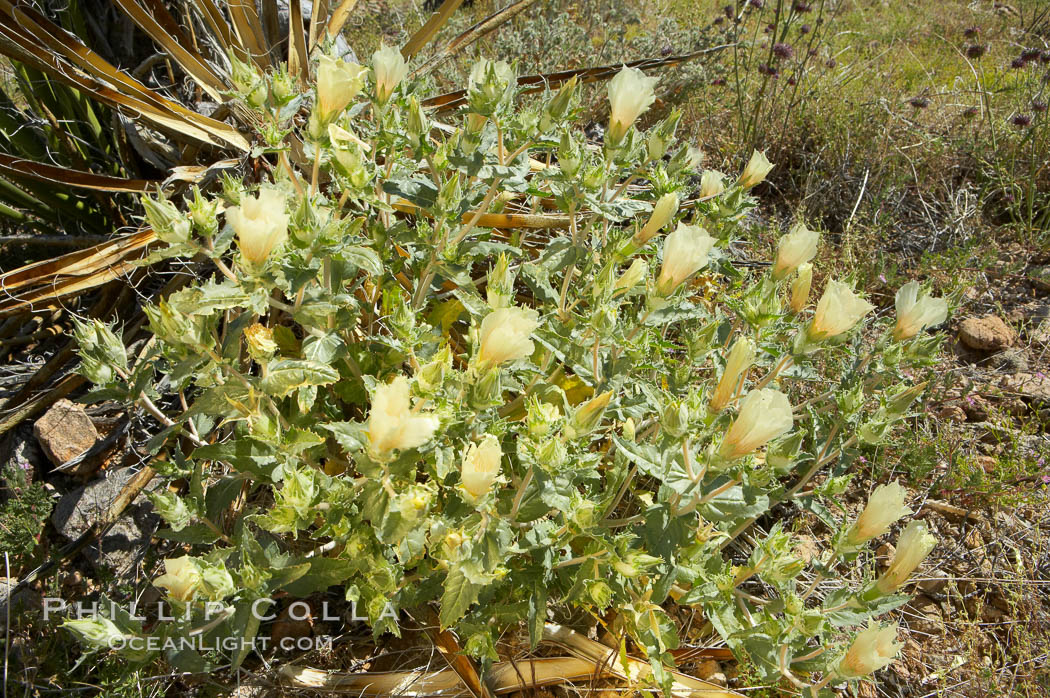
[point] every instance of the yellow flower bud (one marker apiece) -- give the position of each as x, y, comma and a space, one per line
505, 335
338, 82
630, 278
764, 415
740, 359
874, 648
800, 288
390, 69
755, 172
663, 212
838, 310
182, 578
913, 546
392, 425
885, 506
917, 311
685, 253
260, 342
480, 468
630, 94
589, 414
795, 249
260, 223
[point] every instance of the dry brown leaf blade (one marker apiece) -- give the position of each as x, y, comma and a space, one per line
176, 46
542, 81
472, 34
507, 677
425, 33
20, 167
637, 671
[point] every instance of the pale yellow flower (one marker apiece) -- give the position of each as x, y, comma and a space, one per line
917, 311
480, 467
913, 546
685, 253
392, 425
338, 82
260, 341
663, 212
260, 223
885, 506
505, 335
182, 578
756, 170
390, 69
838, 310
795, 249
630, 94
764, 415
630, 278
800, 288
874, 648
712, 183
741, 356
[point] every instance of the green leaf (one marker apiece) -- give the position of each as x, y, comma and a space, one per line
363, 258
323, 572
350, 435
458, 596
735, 504
208, 298
246, 455
415, 190
286, 375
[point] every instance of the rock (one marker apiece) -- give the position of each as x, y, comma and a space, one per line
64, 432
987, 463
26, 601
710, 670
23, 452
1040, 277
1011, 361
125, 543
991, 614
884, 555
951, 413
934, 584
1033, 387
927, 617
988, 333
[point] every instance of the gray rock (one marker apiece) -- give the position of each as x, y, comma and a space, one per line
125, 543
23, 455
1011, 361
26, 601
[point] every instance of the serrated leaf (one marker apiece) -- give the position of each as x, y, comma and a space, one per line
457, 597
286, 375
363, 258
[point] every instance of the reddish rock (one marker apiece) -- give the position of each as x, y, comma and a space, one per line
988, 333
64, 432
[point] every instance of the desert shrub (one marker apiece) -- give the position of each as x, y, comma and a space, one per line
492, 366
